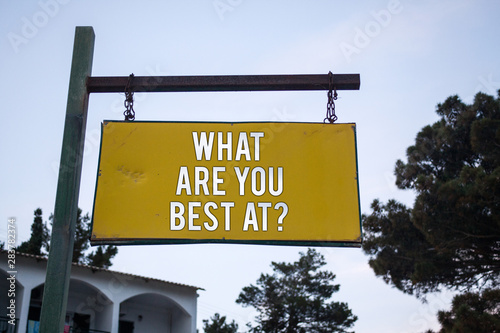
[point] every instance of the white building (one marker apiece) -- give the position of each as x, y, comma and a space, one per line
99, 300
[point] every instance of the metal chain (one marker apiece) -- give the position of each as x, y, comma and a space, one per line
129, 112
330, 105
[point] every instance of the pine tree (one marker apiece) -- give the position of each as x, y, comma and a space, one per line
451, 236
472, 312
296, 298
102, 256
218, 324
82, 235
39, 236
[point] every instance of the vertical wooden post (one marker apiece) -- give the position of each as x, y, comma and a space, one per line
55, 295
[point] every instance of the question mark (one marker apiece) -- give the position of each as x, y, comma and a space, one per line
283, 214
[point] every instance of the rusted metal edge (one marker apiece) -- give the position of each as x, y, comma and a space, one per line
161, 241
223, 83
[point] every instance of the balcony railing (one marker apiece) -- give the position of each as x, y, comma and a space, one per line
33, 327
81, 330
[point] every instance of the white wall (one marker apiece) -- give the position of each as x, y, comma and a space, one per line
164, 306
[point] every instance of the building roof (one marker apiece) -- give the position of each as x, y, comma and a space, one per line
100, 269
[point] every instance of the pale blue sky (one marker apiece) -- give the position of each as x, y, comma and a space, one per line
410, 54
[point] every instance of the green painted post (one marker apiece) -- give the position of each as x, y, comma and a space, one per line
55, 295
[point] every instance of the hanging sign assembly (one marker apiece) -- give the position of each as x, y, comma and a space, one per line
252, 183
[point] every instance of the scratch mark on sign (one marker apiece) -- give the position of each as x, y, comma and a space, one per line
135, 176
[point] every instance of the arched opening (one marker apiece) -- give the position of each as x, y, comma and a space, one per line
153, 313
88, 309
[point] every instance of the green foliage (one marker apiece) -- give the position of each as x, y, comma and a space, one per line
295, 298
401, 253
82, 235
102, 256
218, 325
451, 235
472, 312
39, 236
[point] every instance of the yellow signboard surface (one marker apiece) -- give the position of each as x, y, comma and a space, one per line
270, 183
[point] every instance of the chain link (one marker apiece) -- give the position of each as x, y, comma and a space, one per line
331, 117
129, 112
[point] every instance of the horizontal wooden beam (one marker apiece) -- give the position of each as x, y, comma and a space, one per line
222, 83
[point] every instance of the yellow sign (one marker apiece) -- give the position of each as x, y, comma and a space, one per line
267, 183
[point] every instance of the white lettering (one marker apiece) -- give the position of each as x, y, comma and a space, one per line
201, 182
279, 181
227, 214
174, 215
216, 180
257, 136
183, 181
178, 218
241, 178
262, 187
250, 217
202, 146
264, 206
193, 216
208, 213
227, 146
242, 147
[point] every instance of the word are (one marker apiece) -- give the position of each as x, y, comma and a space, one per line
261, 181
